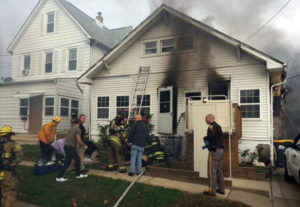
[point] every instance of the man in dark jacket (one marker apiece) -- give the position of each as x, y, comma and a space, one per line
138, 139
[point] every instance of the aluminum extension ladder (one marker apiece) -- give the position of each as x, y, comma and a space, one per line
140, 87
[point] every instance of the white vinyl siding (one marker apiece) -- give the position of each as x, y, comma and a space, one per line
185, 43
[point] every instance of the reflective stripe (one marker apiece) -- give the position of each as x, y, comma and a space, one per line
115, 139
17, 148
159, 153
151, 155
154, 143
160, 158
110, 166
6, 155
2, 175
122, 168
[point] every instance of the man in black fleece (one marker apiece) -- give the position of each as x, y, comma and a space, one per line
138, 139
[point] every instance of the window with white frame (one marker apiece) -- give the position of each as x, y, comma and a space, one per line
250, 103
150, 47
145, 107
64, 107
74, 108
23, 107
73, 59
103, 107
27, 62
167, 45
49, 106
48, 63
50, 22
185, 43
122, 106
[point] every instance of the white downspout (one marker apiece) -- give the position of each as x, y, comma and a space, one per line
271, 121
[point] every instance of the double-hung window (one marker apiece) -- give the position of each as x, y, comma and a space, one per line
27, 62
64, 107
23, 107
145, 107
250, 103
167, 45
103, 107
73, 59
49, 106
48, 64
122, 106
50, 22
74, 108
150, 47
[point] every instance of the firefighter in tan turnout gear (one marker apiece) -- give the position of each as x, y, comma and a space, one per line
11, 154
115, 154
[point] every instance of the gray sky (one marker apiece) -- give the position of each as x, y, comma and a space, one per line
235, 17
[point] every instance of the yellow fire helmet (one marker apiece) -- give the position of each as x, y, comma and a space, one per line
5, 130
56, 119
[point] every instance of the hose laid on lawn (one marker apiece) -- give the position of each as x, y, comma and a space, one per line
128, 188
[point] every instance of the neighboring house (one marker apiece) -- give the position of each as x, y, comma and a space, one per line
56, 44
191, 59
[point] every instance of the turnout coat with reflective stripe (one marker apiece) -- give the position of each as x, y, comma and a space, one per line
47, 133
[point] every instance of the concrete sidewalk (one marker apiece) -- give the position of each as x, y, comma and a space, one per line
252, 193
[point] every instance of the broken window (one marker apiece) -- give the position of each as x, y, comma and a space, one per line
185, 43
145, 107
49, 106
219, 90
48, 64
23, 107
250, 103
150, 47
103, 107
122, 106
167, 45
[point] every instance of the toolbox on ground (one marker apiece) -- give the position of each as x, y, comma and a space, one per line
46, 168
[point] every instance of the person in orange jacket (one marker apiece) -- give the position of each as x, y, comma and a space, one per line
46, 137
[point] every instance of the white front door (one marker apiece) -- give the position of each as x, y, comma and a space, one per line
165, 110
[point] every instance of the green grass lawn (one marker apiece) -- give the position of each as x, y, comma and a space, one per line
100, 191
31, 152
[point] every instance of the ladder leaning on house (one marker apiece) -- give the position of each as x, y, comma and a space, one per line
140, 87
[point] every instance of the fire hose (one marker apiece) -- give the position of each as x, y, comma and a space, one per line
128, 188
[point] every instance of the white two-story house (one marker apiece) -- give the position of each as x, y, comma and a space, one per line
55, 45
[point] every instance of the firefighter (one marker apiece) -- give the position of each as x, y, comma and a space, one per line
215, 147
46, 137
11, 154
115, 154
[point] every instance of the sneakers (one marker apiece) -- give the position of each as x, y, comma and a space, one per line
61, 179
209, 193
81, 176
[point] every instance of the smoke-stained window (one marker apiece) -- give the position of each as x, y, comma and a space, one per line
145, 107
185, 43
103, 107
23, 107
150, 47
250, 103
48, 64
219, 89
122, 106
49, 106
167, 45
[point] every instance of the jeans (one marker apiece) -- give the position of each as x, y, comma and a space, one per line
71, 153
136, 156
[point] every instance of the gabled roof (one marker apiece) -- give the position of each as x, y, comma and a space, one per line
104, 36
271, 63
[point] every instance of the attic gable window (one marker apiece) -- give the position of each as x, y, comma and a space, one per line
150, 47
185, 43
48, 64
167, 45
73, 59
50, 22
27, 62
